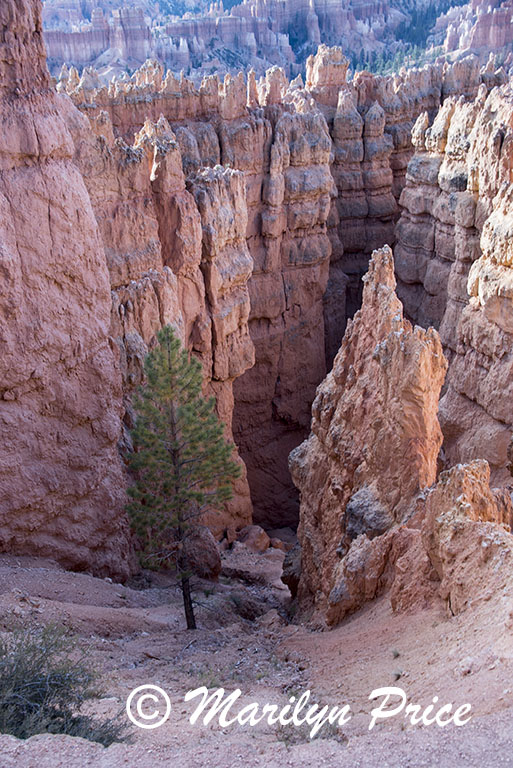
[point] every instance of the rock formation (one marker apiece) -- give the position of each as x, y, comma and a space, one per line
373, 519
61, 482
298, 147
476, 27
457, 547
279, 139
375, 437
176, 255
254, 33
243, 212
370, 119
454, 269
92, 270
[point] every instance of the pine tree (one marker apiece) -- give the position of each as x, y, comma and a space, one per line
181, 462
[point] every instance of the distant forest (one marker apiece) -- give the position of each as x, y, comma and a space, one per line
411, 37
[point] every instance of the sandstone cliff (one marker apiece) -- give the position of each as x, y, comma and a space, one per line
243, 212
176, 254
92, 270
275, 135
370, 119
324, 165
454, 270
255, 33
61, 483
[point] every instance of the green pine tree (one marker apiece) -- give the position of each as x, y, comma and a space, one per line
181, 462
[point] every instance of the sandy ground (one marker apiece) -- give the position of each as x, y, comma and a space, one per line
244, 640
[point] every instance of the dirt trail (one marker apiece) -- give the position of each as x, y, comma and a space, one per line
136, 636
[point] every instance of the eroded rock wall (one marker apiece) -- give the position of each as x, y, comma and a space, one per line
61, 481
370, 119
279, 140
375, 519
324, 165
176, 254
454, 270
476, 27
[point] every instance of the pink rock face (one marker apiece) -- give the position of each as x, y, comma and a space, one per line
454, 267
176, 254
284, 151
370, 121
61, 481
479, 27
456, 547
321, 176
375, 436
464, 537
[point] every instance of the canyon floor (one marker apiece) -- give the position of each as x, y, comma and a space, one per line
135, 635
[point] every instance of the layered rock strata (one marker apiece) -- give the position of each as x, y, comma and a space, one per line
370, 119
176, 254
375, 436
298, 147
454, 270
279, 139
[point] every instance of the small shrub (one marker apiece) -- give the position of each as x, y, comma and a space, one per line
42, 689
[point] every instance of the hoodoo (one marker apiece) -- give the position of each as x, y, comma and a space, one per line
256, 372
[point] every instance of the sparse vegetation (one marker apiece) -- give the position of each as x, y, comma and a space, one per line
43, 688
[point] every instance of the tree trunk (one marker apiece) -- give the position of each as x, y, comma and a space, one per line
187, 601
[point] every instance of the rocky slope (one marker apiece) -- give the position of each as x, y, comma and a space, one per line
269, 660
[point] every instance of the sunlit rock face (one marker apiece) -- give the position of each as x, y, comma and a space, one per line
476, 27
243, 213
375, 437
102, 244
454, 267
